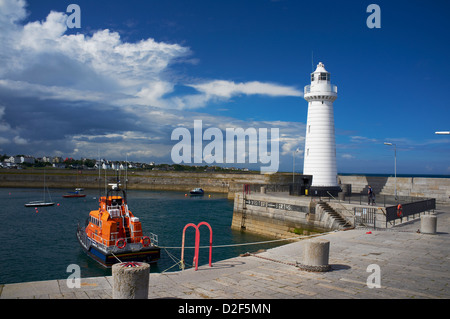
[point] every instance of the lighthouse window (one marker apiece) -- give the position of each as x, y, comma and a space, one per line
312, 77
324, 77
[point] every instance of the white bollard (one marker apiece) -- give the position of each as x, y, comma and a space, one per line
315, 255
428, 224
130, 280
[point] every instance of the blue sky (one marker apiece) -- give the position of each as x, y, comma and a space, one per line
136, 70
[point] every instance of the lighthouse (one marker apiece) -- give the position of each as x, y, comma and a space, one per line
320, 144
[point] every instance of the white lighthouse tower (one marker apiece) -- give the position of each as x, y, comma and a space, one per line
320, 144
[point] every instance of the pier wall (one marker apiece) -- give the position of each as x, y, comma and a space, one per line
278, 215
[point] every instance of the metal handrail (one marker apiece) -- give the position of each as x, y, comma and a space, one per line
347, 221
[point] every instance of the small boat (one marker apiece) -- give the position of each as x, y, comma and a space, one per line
39, 203
74, 194
197, 192
113, 234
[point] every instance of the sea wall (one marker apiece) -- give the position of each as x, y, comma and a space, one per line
230, 183
148, 180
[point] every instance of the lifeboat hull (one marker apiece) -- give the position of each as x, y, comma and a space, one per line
150, 254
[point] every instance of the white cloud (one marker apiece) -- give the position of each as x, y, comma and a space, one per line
219, 90
363, 139
11, 12
228, 89
20, 141
39, 53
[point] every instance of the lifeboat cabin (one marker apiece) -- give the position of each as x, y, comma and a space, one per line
113, 234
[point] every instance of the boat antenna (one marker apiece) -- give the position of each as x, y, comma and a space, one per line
106, 187
126, 172
118, 177
99, 171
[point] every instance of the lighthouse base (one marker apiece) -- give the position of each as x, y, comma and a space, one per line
324, 190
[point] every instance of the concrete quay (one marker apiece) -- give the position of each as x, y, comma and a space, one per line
410, 265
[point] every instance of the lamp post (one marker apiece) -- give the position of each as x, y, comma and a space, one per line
293, 164
395, 164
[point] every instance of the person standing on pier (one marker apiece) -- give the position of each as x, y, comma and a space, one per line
370, 196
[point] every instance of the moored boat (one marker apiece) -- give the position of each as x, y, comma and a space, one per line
74, 194
39, 203
197, 192
113, 234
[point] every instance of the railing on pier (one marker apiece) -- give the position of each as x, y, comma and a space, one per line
380, 200
365, 216
409, 209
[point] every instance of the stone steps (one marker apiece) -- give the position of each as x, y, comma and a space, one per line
335, 216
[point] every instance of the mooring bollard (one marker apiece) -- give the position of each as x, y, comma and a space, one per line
130, 280
428, 224
315, 255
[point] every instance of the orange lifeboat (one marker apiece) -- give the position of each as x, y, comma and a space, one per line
113, 234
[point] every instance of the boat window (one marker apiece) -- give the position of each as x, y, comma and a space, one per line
94, 220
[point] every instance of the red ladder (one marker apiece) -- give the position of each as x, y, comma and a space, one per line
197, 243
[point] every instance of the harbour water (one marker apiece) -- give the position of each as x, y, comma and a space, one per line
40, 244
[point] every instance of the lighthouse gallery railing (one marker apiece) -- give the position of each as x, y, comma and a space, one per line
331, 88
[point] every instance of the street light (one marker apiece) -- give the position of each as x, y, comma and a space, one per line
293, 164
395, 164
